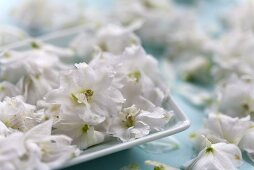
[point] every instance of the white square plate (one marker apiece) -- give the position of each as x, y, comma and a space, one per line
179, 123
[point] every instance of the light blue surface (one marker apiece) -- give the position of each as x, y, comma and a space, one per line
136, 155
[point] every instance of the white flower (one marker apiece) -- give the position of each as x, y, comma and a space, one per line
221, 128
35, 149
4, 130
115, 39
134, 123
143, 72
188, 42
226, 129
8, 89
66, 55
219, 156
246, 142
83, 44
17, 115
196, 70
130, 11
240, 16
44, 15
84, 130
154, 14
10, 34
111, 38
11, 150
233, 55
49, 111
54, 150
36, 72
137, 76
235, 97
159, 166
85, 90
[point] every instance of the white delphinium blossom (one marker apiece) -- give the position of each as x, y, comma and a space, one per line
246, 142
83, 44
233, 55
85, 130
17, 115
240, 16
219, 156
4, 130
153, 14
137, 76
130, 11
85, 98
8, 89
189, 51
44, 15
36, 148
10, 34
143, 72
115, 39
235, 97
223, 128
132, 122
196, 70
66, 55
86, 90
159, 166
187, 42
49, 111
36, 72
111, 38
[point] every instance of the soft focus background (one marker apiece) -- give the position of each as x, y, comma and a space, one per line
173, 151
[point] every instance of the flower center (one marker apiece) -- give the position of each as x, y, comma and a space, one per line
209, 150
88, 93
85, 128
103, 46
159, 168
237, 157
148, 5
136, 75
78, 99
129, 116
2, 88
245, 106
130, 121
35, 45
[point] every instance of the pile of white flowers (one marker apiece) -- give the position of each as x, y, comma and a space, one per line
51, 107
118, 91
